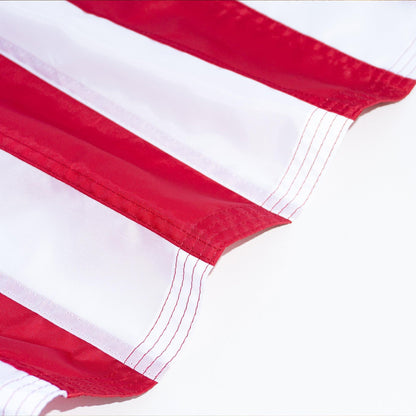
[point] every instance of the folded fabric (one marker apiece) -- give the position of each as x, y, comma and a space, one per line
138, 141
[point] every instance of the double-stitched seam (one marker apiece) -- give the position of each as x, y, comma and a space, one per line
180, 321
194, 237
170, 317
341, 108
226, 229
301, 165
94, 181
160, 313
16, 391
24, 400
293, 158
323, 168
312, 165
177, 300
189, 328
44, 398
63, 382
402, 55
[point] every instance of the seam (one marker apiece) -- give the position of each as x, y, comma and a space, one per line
312, 165
392, 79
180, 322
411, 72
28, 395
109, 379
407, 62
41, 401
161, 311
223, 230
303, 162
170, 317
190, 325
189, 328
336, 106
402, 54
118, 195
11, 148
320, 173
112, 386
173, 279
13, 381
16, 391
293, 158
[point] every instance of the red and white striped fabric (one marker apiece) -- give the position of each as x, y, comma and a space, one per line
138, 141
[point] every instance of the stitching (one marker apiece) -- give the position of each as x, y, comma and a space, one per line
250, 214
323, 168
14, 380
408, 62
112, 386
27, 396
35, 372
301, 166
243, 228
225, 229
403, 53
216, 214
171, 315
170, 290
180, 322
411, 71
160, 313
310, 169
14, 392
187, 234
221, 212
106, 188
332, 105
190, 325
41, 401
293, 158
173, 279
391, 79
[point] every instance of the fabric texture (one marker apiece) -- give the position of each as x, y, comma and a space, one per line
139, 140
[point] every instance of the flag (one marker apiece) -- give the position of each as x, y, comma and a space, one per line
141, 139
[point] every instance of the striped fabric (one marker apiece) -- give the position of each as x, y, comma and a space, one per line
141, 139
24, 394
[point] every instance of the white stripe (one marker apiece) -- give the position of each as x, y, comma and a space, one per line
175, 333
278, 197
314, 146
177, 342
72, 245
150, 356
324, 130
380, 33
329, 144
24, 394
237, 131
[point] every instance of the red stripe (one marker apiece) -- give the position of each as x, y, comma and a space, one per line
37, 346
57, 134
233, 36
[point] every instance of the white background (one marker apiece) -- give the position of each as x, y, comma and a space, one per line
317, 317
